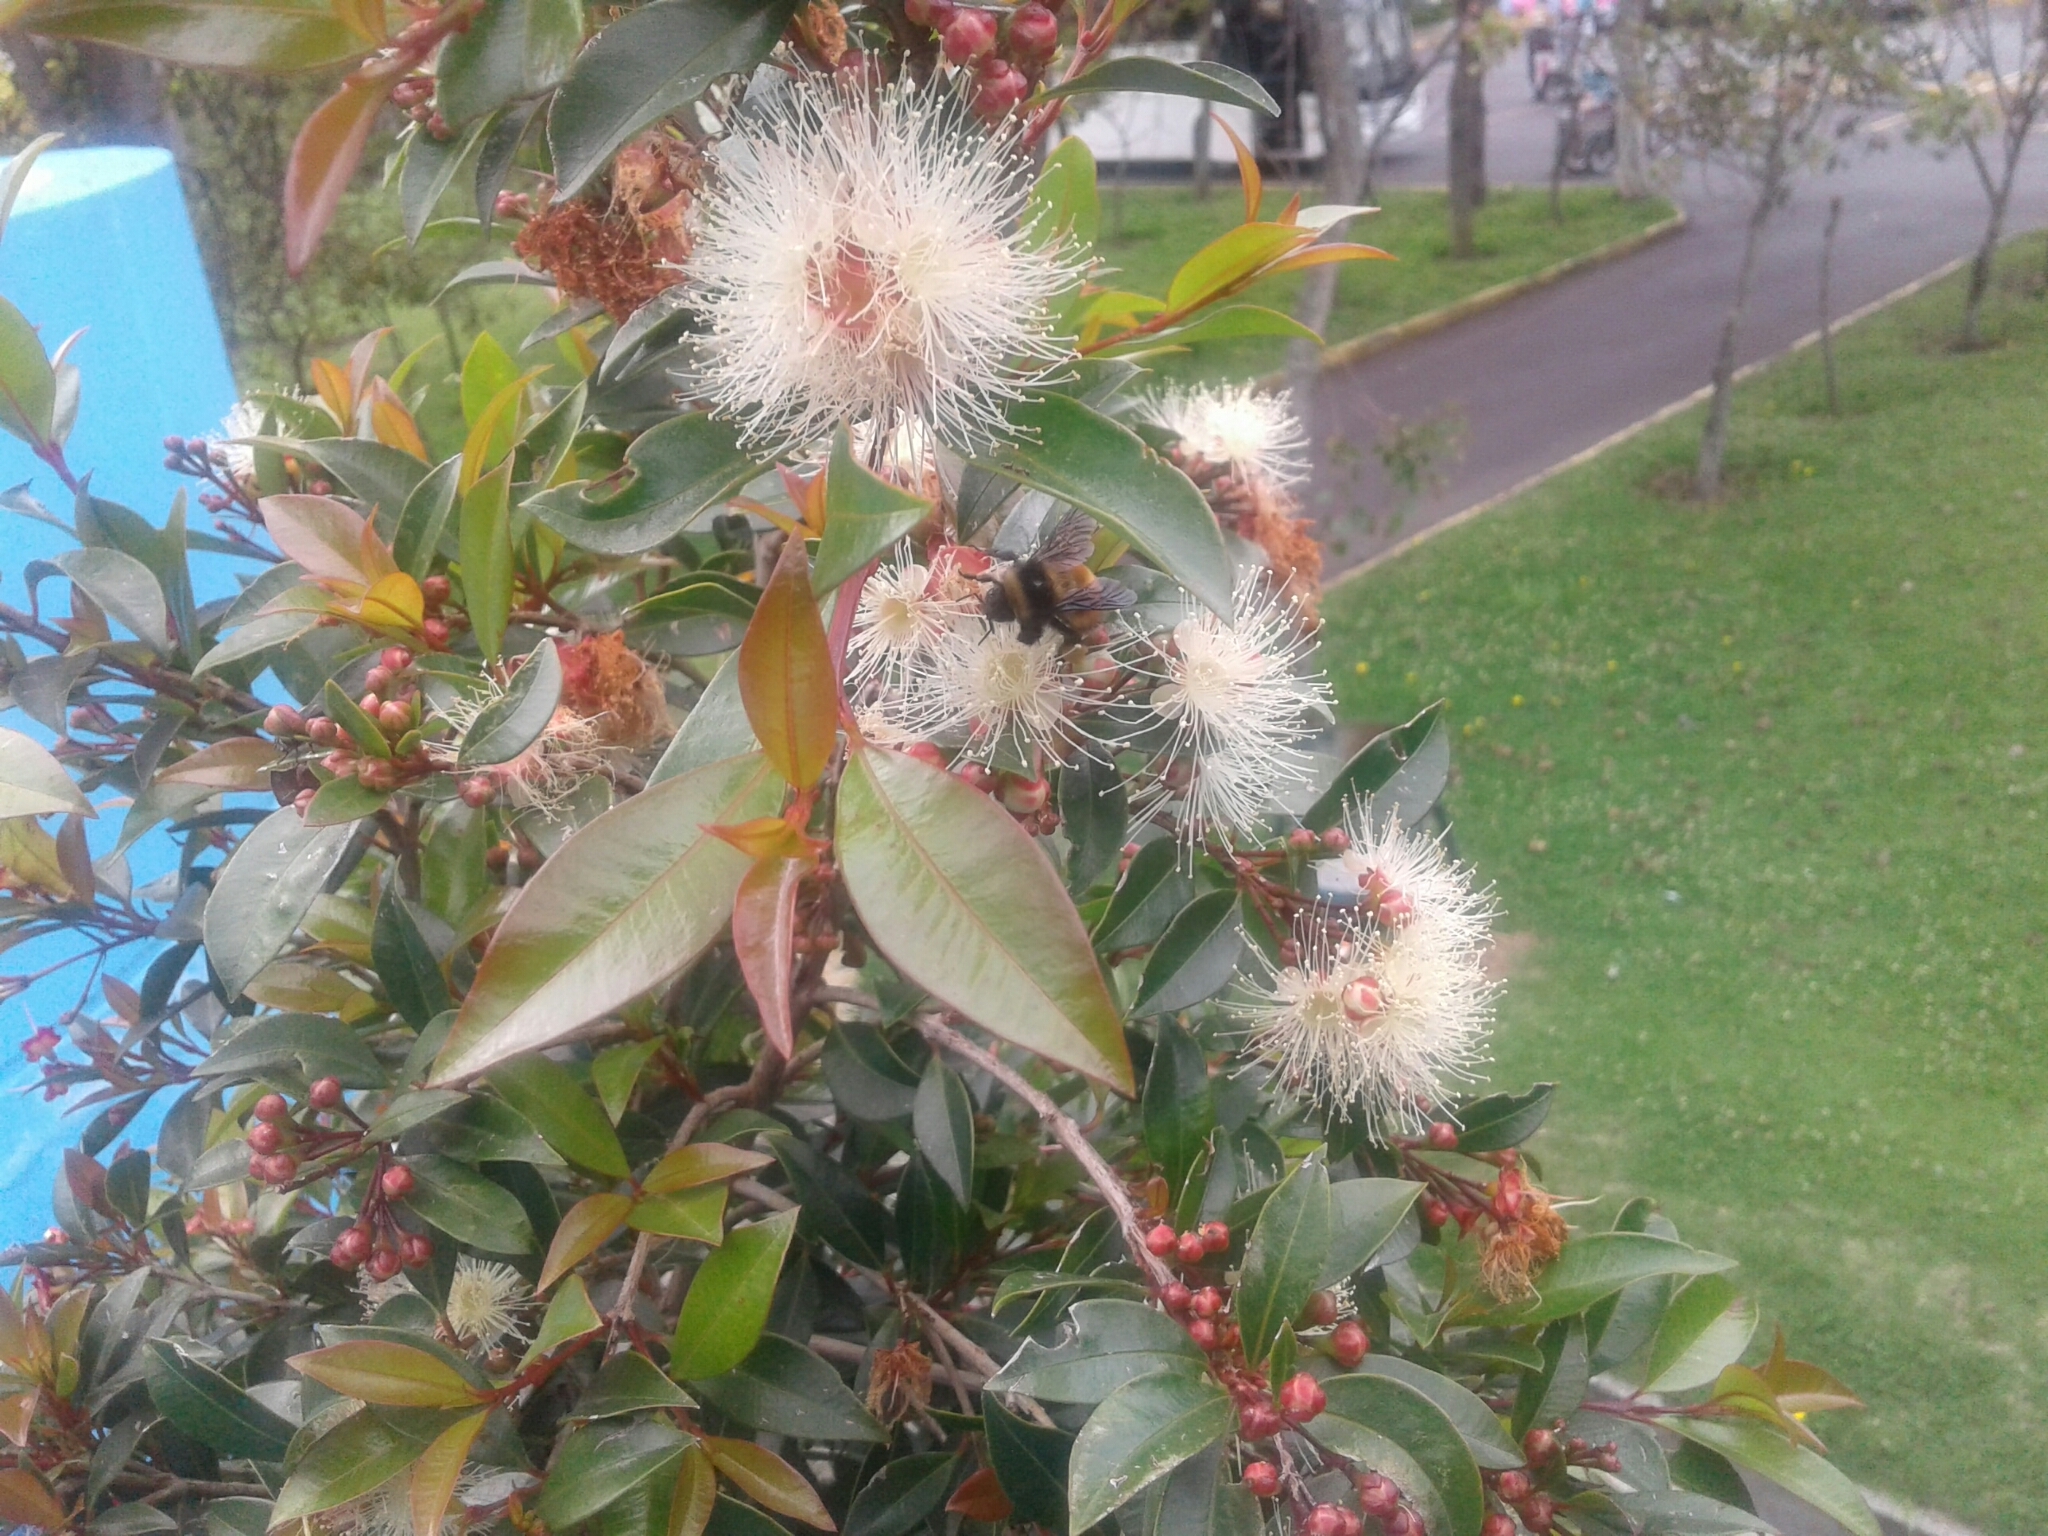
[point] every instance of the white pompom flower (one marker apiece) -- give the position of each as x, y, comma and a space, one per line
907, 612
485, 1301
865, 257
1238, 698
1006, 695
1252, 433
1408, 882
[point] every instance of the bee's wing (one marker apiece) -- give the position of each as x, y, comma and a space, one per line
1099, 596
1071, 541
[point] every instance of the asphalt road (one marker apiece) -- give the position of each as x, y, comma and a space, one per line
1523, 386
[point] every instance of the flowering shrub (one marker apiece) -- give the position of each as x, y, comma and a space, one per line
982, 1066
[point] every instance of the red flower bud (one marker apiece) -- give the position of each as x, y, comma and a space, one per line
1176, 1297
1161, 1240
1321, 1310
325, 1093
1208, 1301
1443, 1136
272, 1107
396, 658
385, 1263
265, 1138
1262, 1478
1515, 1486
416, 1250
968, 35
1034, 33
1350, 1343
1301, 1396
1191, 1248
1324, 1520
397, 1182
1215, 1237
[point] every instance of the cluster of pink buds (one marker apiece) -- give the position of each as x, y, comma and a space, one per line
414, 96
392, 705
1549, 1451
376, 1241
1008, 51
208, 461
279, 1141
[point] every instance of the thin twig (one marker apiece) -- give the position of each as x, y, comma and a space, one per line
952, 1370
944, 1333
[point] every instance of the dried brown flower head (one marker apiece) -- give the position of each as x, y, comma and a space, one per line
624, 254
900, 1382
820, 31
608, 684
1519, 1249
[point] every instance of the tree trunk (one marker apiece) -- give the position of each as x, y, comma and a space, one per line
126, 93
1560, 152
1714, 439
1336, 83
1827, 317
1987, 254
1204, 127
1631, 78
32, 80
1467, 127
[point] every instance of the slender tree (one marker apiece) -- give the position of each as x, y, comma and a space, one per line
1336, 83
1631, 142
1467, 122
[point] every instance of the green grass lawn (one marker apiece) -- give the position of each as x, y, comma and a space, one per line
1162, 226
1764, 783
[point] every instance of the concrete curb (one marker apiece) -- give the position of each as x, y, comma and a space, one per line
1634, 428
1345, 353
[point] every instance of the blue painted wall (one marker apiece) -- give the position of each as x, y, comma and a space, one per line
99, 240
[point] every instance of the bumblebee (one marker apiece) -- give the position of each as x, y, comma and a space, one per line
1054, 587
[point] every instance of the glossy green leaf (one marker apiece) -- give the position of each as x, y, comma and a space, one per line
868, 1080
1806, 1476
1404, 1416
1139, 1434
647, 64
954, 892
362, 1452
34, 783
124, 588
304, 1045
942, 1119
1502, 1120
209, 1407
264, 889
569, 1316
1229, 259
406, 964
550, 1099
1108, 1343
513, 721
1364, 1215
28, 385
1600, 1264
1194, 958
1094, 813
615, 1071
902, 1496
768, 1480
1707, 1327
1179, 1104
209, 34
1404, 770
1030, 1461
1064, 199
1555, 1391
424, 518
1204, 80
1675, 1512
386, 1372
1078, 455
377, 475
514, 48
601, 1463
864, 516
837, 1207
343, 803
931, 1227
625, 905
701, 1163
715, 729
1283, 1257
784, 1389
367, 735
468, 1207
698, 1214
629, 1383
1484, 1437
1152, 891
485, 540
726, 1306
673, 474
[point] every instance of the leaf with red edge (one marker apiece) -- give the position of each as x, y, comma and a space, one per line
435, 1474
1801, 1386
25, 1501
785, 673
768, 1480
324, 158
981, 1498
328, 541
587, 1227
1324, 254
764, 938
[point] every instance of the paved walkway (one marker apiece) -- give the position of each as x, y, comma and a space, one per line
1558, 370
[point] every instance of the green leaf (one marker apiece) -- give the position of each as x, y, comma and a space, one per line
352, 717
486, 545
1064, 198
1766, 1452
1197, 1500
1364, 1214
900, 1497
513, 49
1029, 1460
34, 783
1080, 456
787, 681
15, 177
1404, 770
1179, 1104
468, 1207
343, 803
726, 1306
931, 1227
868, 1080
265, 632
1398, 1413
1094, 813
646, 65
1204, 80
957, 896
1283, 1257
1232, 322
614, 1072
698, 1214
601, 1463
376, 474
1152, 891
210, 1408
1503, 1120
386, 1372
512, 722
569, 1316
362, 1452
1707, 1327
700, 1163
1557, 1389
1108, 1344
406, 964
1229, 258
629, 1383
786, 1390
675, 472
715, 729
309, 1045
209, 34
1699, 1470
942, 1119
768, 1480
1484, 1438
124, 587
864, 516
1139, 1434
264, 889
28, 384
1599, 1265
836, 1206
1675, 1512
625, 905
417, 539
1194, 957
568, 1119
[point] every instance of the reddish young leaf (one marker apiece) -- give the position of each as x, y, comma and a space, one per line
768, 1480
324, 157
25, 1501
785, 673
764, 938
587, 1227
981, 1498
